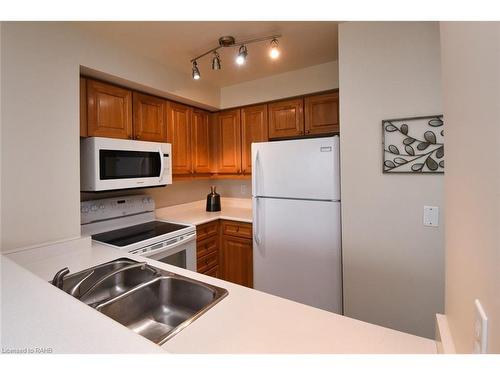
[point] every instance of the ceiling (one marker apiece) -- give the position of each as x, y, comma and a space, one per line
175, 43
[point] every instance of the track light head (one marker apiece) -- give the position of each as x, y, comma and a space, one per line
274, 52
242, 55
196, 71
216, 61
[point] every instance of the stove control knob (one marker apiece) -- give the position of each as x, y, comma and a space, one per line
84, 210
93, 207
101, 207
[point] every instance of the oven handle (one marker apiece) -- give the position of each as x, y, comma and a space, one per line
156, 251
161, 163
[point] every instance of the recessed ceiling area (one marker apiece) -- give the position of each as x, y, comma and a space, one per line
174, 44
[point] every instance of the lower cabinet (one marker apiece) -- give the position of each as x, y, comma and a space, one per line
237, 260
224, 250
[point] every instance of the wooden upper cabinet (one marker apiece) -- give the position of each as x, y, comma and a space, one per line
109, 110
200, 142
253, 129
286, 118
179, 135
322, 113
229, 142
83, 107
149, 118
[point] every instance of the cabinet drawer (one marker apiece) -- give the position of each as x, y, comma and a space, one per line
206, 230
237, 229
214, 272
207, 246
207, 262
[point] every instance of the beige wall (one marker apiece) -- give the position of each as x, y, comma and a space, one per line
393, 265
185, 191
40, 67
471, 91
297, 82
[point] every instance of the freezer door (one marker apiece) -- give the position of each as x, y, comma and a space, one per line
303, 169
297, 251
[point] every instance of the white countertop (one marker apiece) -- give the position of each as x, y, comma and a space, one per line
35, 314
238, 209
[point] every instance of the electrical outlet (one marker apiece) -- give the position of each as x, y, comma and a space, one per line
480, 329
243, 189
431, 216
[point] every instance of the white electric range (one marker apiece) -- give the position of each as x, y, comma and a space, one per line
128, 223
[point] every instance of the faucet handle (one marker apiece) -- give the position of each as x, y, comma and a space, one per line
59, 276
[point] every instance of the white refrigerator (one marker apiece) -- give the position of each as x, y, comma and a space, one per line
296, 221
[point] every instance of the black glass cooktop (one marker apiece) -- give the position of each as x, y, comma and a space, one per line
136, 233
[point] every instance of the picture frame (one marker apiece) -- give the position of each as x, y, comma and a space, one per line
413, 145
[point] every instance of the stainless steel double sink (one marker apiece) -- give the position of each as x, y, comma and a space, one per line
154, 303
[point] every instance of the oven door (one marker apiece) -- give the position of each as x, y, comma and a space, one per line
109, 164
180, 254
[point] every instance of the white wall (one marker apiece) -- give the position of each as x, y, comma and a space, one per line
40, 67
393, 265
297, 82
471, 90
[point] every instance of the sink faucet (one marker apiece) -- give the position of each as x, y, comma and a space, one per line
59, 276
141, 265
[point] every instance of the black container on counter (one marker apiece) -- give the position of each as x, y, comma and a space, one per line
213, 201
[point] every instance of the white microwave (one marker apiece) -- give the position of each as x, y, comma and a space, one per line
111, 164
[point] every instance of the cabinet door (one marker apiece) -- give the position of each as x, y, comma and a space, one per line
286, 119
83, 107
179, 135
109, 110
229, 142
253, 129
237, 260
322, 114
201, 142
149, 118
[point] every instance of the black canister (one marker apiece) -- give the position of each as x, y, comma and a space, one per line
213, 201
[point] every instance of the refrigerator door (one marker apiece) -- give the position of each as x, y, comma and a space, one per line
297, 251
302, 169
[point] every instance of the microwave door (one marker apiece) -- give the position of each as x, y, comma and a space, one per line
112, 164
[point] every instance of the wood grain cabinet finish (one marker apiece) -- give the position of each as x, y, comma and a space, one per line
83, 107
179, 135
236, 260
286, 118
207, 230
149, 118
229, 142
322, 114
200, 142
254, 128
109, 110
207, 248
236, 228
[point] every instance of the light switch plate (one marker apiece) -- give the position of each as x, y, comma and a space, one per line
243, 189
480, 329
431, 216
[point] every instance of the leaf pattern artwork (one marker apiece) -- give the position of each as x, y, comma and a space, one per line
413, 145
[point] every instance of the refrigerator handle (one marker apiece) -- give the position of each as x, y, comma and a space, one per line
256, 234
257, 174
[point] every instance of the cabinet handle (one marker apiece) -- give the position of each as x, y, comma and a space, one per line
308, 131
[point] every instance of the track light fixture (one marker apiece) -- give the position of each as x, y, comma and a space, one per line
216, 61
274, 52
229, 41
196, 71
242, 55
